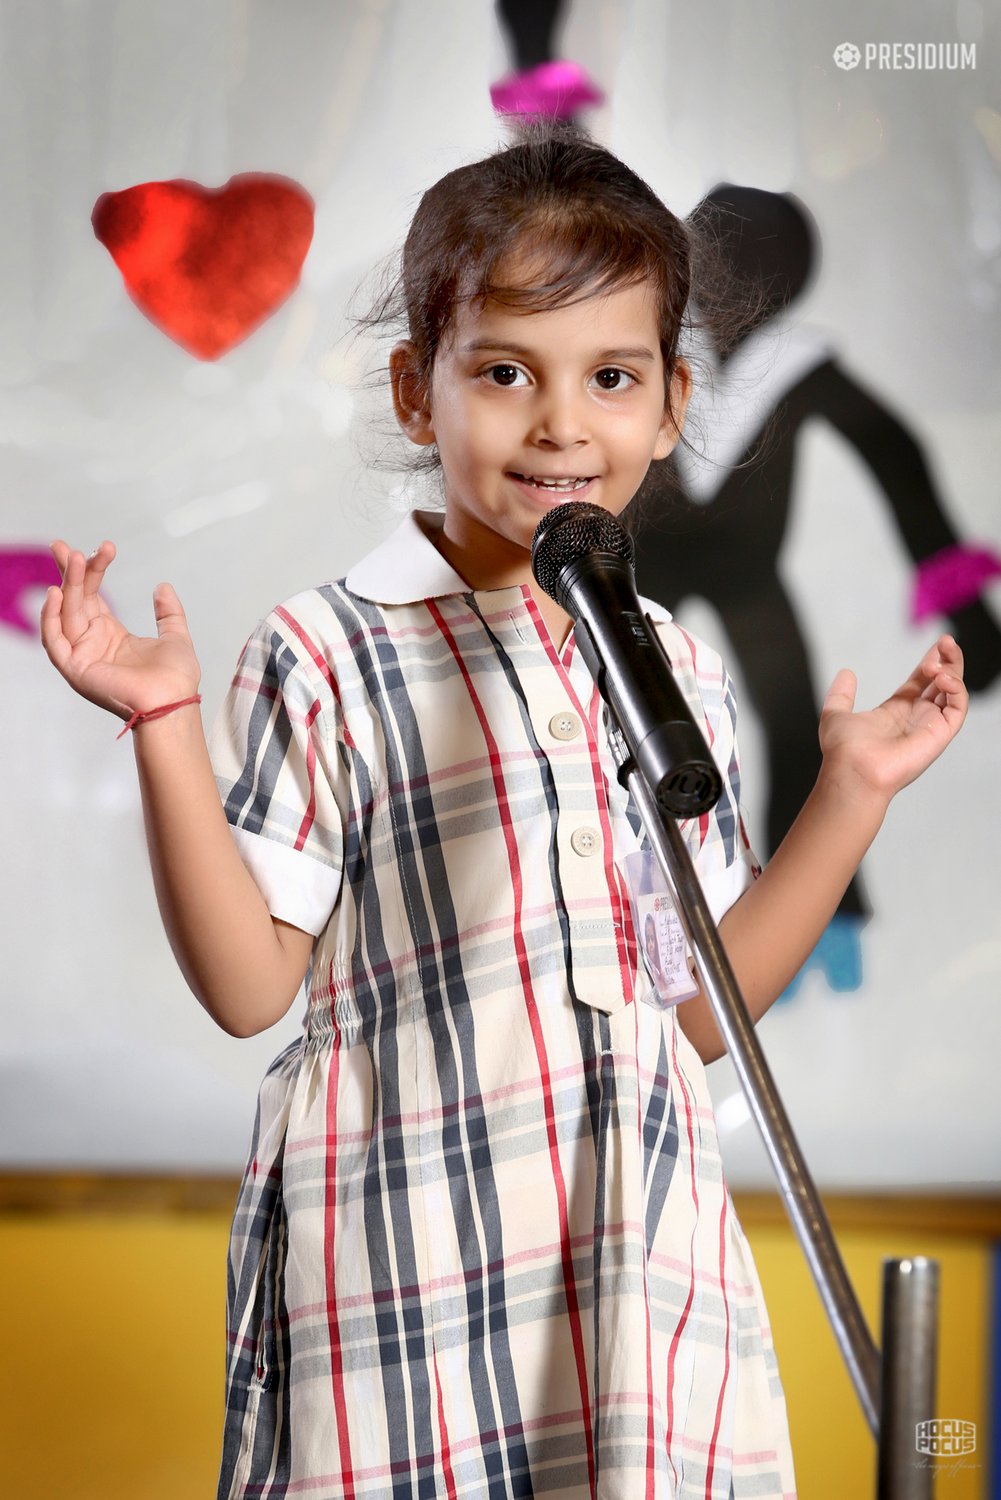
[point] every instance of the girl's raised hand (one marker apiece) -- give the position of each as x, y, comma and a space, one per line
98, 657
887, 747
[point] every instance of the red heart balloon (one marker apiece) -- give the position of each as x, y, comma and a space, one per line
207, 265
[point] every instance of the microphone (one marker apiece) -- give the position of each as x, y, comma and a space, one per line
582, 558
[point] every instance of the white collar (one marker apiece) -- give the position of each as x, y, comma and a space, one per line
407, 568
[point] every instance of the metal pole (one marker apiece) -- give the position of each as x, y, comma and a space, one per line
719, 983
910, 1323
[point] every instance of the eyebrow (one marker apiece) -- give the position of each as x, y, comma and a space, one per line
475, 346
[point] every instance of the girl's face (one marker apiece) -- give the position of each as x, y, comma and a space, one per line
575, 393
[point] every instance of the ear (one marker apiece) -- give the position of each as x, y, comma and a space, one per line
674, 409
411, 397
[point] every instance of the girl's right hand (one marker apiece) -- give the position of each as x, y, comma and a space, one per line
91, 648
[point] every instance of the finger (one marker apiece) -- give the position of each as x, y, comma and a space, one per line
952, 654
945, 649
921, 682
948, 693
840, 697
953, 696
57, 647
947, 668
169, 612
74, 618
942, 667
96, 566
79, 605
60, 552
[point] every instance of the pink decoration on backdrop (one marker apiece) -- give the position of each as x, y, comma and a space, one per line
23, 568
951, 578
552, 91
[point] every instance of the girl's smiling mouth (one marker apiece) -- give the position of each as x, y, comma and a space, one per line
556, 485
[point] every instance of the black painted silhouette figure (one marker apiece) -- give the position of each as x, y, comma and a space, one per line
720, 526
531, 27
720, 537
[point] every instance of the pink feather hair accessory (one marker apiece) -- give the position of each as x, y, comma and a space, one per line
951, 578
552, 91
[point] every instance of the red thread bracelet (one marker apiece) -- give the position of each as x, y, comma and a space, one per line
156, 713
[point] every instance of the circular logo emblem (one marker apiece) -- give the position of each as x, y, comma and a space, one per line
847, 55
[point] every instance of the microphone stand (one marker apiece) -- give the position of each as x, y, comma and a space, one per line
901, 1385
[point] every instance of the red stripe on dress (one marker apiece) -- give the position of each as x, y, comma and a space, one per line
711, 1460
316, 657
650, 1460
309, 816
566, 1254
329, 1227
446, 1452
676, 1336
547, 642
690, 643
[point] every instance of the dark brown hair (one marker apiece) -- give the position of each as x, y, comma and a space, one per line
585, 222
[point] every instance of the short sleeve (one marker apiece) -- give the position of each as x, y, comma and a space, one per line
718, 843
276, 755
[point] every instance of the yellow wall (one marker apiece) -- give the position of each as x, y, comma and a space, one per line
112, 1384
834, 1453
112, 1388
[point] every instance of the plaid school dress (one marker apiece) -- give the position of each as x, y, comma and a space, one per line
483, 1245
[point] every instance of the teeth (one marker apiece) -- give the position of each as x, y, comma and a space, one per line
556, 484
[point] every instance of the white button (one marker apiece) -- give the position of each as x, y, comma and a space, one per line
564, 726
585, 841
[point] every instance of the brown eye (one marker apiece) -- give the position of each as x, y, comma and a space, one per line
612, 379
506, 374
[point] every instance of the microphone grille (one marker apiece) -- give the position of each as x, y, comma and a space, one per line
573, 530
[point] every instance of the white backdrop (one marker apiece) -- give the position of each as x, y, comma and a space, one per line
241, 482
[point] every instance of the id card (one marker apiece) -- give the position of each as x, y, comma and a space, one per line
658, 931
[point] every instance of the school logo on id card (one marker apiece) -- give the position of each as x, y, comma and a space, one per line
658, 931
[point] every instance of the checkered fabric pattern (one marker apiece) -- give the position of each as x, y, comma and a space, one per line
483, 1246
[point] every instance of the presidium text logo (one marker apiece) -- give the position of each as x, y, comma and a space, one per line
925, 56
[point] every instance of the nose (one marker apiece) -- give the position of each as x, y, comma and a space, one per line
559, 418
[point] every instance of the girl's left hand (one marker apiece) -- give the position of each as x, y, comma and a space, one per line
889, 746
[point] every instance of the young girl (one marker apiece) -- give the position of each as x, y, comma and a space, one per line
483, 1245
